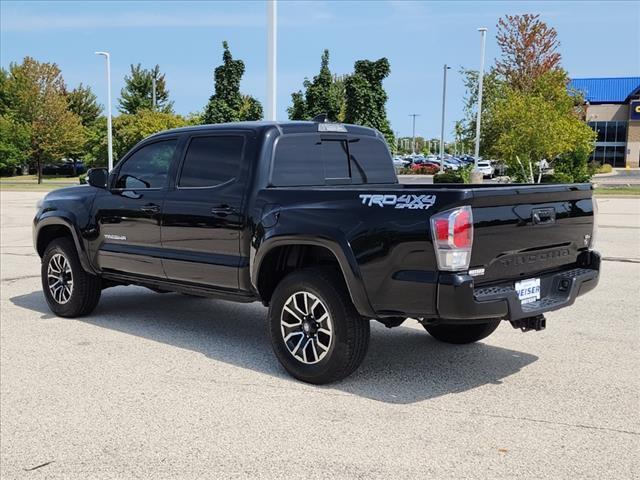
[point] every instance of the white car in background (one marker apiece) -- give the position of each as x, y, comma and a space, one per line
400, 162
486, 168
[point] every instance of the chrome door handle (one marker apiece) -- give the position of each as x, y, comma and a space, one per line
222, 210
150, 208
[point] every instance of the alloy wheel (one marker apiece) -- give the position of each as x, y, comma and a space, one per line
60, 278
306, 327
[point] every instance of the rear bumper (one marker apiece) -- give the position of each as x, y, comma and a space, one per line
458, 299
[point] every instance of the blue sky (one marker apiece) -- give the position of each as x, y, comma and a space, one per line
597, 39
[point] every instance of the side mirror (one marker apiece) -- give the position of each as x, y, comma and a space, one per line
97, 177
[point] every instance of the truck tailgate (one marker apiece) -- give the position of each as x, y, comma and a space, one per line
524, 230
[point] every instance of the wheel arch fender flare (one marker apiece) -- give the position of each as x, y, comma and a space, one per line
343, 254
56, 219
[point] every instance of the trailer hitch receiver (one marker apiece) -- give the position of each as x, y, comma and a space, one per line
530, 323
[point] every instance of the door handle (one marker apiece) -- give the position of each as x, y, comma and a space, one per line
150, 208
222, 210
543, 216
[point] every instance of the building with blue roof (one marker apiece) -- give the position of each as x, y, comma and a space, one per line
613, 110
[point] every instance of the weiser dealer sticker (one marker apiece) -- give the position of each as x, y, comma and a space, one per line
528, 290
412, 202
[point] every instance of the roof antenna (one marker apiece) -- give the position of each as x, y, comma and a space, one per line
322, 118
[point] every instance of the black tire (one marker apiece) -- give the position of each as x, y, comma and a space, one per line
85, 292
461, 334
349, 342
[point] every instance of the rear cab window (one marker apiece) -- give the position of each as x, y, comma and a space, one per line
319, 159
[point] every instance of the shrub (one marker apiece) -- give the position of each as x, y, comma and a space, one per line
448, 177
418, 170
557, 177
605, 168
575, 165
424, 169
465, 173
83, 179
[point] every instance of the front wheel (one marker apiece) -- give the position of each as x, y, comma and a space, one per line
461, 334
68, 289
316, 332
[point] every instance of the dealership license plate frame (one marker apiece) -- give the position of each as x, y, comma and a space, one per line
528, 290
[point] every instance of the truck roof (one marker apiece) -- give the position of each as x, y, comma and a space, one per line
285, 127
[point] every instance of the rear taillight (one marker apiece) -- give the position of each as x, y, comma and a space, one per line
452, 233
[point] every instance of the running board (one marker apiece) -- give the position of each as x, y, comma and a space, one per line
168, 285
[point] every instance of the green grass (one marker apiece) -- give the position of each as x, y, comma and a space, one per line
34, 179
29, 187
30, 183
633, 191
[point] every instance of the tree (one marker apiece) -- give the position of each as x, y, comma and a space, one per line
250, 109
4, 92
527, 113
298, 108
227, 104
540, 124
130, 129
137, 93
14, 145
366, 97
83, 102
323, 95
529, 50
95, 150
37, 99
492, 89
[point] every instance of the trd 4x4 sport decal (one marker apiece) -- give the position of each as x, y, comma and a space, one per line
412, 202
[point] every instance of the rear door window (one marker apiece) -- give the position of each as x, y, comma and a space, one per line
211, 161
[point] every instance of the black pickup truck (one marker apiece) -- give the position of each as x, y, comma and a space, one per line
309, 219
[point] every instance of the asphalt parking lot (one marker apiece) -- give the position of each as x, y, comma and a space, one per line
168, 386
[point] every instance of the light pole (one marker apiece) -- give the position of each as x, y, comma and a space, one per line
444, 99
483, 34
153, 91
272, 20
109, 138
413, 142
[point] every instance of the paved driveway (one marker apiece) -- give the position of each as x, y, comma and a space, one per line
619, 177
168, 386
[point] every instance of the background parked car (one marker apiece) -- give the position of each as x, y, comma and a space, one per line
486, 168
64, 169
400, 162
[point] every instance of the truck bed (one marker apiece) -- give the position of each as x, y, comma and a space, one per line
392, 244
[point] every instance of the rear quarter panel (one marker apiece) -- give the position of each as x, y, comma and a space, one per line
388, 249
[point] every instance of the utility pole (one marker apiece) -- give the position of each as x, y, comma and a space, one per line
483, 34
153, 99
413, 142
444, 100
109, 138
272, 18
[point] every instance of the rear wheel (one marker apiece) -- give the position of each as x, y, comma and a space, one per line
316, 332
461, 334
68, 289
